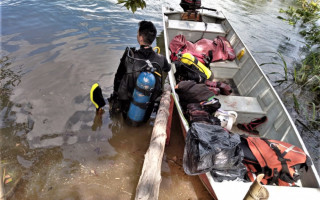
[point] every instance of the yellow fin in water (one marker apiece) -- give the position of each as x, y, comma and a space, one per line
96, 96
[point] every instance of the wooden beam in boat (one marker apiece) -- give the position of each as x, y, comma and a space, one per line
149, 182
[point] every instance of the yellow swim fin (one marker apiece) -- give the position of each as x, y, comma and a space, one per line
96, 96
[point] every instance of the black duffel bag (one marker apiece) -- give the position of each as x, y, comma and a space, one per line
210, 147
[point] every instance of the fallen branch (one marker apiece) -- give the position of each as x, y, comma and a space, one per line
12, 189
304, 125
2, 196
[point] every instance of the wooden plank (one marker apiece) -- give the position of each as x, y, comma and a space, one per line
149, 182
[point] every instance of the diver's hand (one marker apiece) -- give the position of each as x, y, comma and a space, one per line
114, 103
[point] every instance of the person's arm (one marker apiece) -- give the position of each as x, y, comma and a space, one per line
165, 69
166, 66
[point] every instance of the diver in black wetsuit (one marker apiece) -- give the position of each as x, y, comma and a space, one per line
129, 69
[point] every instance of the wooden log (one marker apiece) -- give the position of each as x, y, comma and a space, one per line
149, 182
169, 120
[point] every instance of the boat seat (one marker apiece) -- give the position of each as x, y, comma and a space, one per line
224, 69
196, 26
193, 31
247, 108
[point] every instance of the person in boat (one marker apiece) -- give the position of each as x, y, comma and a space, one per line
132, 63
190, 5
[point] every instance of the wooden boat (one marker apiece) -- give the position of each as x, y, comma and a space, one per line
256, 98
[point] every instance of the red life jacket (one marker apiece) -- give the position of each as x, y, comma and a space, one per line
179, 45
205, 50
222, 49
281, 162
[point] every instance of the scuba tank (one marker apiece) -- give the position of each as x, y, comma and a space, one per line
141, 95
189, 59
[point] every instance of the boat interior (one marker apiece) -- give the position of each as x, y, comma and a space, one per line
254, 97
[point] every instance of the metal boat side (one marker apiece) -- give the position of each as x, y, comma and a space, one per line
256, 96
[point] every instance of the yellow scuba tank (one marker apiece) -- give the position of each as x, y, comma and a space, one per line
189, 59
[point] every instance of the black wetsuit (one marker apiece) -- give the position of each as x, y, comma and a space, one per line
128, 72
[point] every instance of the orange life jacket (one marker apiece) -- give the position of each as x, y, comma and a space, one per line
281, 162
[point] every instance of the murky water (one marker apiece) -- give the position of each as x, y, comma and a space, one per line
52, 144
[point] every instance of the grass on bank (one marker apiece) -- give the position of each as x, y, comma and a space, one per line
304, 76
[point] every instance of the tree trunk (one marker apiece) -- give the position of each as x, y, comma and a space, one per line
149, 182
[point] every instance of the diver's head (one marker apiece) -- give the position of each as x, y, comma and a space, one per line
147, 33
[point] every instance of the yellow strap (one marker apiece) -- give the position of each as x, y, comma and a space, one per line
94, 86
158, 51
157, 73
157, 48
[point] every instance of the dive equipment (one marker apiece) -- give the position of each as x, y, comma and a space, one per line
189, 59
96, 96
141, 95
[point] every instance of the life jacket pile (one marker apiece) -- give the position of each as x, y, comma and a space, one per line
202, 52
281, 162
205, 50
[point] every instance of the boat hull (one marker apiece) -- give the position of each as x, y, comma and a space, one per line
256, 98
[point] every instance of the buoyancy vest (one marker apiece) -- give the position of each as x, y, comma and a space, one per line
189, 59
133, 68
281, 162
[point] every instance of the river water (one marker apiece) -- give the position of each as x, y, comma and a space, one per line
52, 144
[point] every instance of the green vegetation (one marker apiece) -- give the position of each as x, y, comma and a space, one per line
306, 74
133, 4
306, 15
302, 86
283, 64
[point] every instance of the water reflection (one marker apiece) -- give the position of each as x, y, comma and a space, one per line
11, 140
97, 122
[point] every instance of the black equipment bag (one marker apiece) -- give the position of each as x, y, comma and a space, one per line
186, 72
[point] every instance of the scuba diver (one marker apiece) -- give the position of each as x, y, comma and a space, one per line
138, 80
